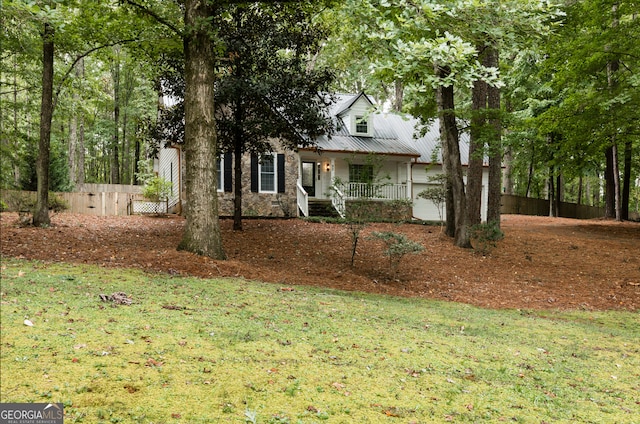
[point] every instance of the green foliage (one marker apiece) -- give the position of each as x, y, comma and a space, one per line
157, 189
20, 201
57, 203
24, 204
359, 213
484, 236
397, 247
422, 359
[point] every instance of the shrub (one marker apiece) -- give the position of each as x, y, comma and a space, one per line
397, 247
24, 203
484, 237
157, 189
57, 204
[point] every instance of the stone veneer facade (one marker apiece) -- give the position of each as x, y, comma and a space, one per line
265, 204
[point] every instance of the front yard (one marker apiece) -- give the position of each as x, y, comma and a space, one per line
542, 263
192, 350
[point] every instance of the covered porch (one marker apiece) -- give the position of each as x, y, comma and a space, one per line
338, 178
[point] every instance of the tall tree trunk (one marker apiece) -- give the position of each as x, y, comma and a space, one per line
559, 192
450, 218
530, 176
136, 156
73, 134
16, 166
80, 142
202, 228
552, 193
80, 166
449, 136
398, 95
616, 180
580, 189
127, 175
495, 145
626, 187
476, 146
237, 186
115, 146
41, 213
612, 69
610, 185
508, 171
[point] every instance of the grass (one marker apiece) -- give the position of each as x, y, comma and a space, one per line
231, 351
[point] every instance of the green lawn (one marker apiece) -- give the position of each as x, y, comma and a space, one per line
200, 351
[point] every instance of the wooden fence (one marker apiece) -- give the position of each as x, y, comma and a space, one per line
528, 206
109, 188
101, 203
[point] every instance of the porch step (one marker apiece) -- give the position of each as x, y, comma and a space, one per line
322, 208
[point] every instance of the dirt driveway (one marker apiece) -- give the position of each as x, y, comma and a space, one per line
543, 263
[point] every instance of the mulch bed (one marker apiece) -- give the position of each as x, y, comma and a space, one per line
542, 263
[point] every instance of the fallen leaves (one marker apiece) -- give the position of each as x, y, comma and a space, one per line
153, 363
90, 239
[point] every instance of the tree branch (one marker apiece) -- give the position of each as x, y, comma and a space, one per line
155, 16
78, 59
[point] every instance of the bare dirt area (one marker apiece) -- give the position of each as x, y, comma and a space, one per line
542, 263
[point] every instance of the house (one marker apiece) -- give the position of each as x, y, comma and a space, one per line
339, 169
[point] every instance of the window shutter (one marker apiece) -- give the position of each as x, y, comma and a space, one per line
280, 159
228, 172
254, 173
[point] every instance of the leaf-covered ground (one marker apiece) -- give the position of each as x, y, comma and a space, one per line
542, 263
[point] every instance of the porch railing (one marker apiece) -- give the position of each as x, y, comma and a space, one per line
303, 199
375, 191
338, 201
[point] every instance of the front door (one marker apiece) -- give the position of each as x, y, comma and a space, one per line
309, 178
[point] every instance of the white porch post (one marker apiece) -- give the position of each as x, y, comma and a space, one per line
409, 181
333, 170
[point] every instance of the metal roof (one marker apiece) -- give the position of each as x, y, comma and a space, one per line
394, 134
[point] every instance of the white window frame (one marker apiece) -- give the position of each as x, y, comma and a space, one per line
275, 173
362, 120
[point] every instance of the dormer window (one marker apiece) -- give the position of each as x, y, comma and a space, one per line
362, 126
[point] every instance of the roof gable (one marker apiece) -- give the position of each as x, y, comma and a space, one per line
347, 103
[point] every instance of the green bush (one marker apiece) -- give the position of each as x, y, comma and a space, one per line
157, 189
57, 203
397, 247
484, 237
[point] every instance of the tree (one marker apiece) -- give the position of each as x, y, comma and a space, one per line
69, 32
587, 100
41, 213
268, 90
202, 229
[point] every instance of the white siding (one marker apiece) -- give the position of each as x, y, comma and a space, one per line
361, 108
169, 169
425, 209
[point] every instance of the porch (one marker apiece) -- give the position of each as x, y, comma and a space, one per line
341, 177
340, 194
